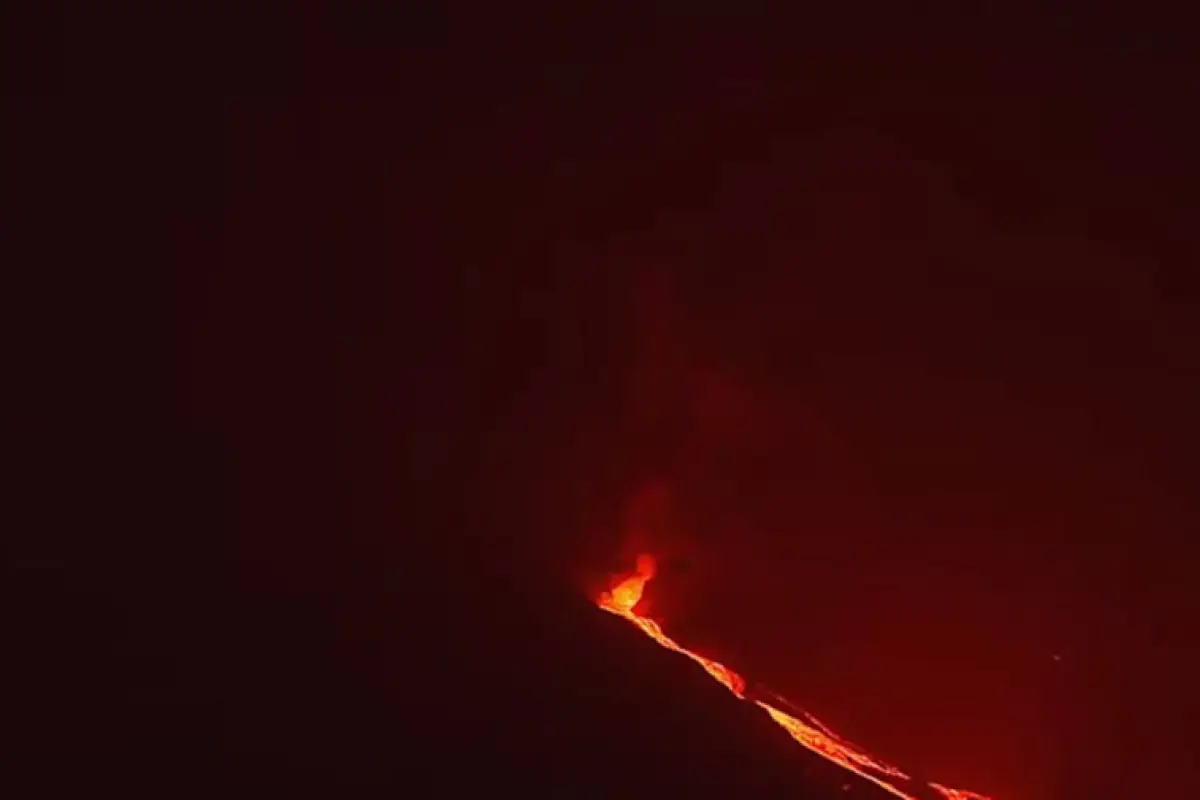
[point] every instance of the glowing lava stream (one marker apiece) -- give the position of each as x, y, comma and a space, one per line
814, 735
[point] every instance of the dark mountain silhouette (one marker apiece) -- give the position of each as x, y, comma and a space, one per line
550, 697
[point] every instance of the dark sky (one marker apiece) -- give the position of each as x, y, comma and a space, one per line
883, 330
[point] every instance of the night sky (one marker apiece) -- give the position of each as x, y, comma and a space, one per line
881, 332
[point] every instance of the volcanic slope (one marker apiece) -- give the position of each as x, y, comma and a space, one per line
538, 692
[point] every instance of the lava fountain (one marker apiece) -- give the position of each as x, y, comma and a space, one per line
622, 598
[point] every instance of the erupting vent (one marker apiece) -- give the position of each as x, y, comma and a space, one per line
804, 728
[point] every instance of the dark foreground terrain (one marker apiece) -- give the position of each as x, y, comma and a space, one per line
560, 700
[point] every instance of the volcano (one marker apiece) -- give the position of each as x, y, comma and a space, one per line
541, 694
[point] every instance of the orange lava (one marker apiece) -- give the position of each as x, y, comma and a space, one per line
624, 596
956, 794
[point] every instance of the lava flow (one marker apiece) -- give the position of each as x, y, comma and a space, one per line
812, 734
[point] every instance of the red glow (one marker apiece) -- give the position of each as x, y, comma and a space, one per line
956, 794
622, 599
